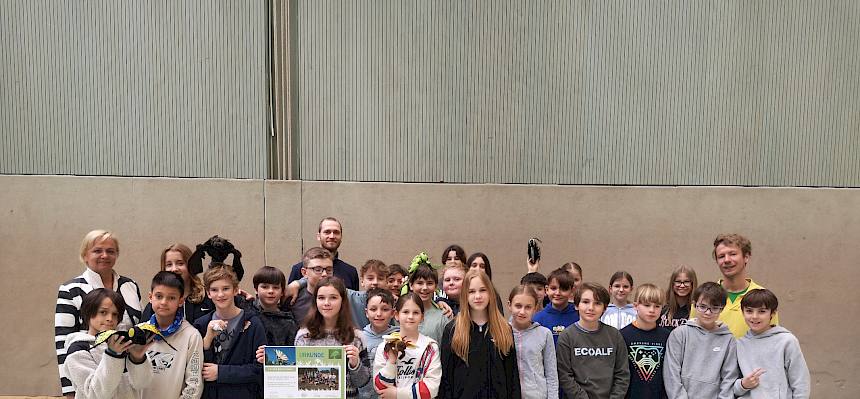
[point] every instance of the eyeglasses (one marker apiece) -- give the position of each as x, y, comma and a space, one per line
683, 283
109, 252
708, 309
320, 270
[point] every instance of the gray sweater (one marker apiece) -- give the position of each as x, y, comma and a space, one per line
778, 353
536, 362
700, 363
592, 364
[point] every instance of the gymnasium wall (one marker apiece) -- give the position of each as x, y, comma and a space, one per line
804, 243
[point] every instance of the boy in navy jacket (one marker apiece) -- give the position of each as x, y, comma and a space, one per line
230, 338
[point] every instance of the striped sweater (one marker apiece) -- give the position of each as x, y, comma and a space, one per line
67, 317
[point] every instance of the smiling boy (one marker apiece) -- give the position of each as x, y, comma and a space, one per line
230, 339
561, 313
701, 356
769, 356
592, 356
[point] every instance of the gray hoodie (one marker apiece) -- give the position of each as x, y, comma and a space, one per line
372, 340
700, 363
778, 352
536, 361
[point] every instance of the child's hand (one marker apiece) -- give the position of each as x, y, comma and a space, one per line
292, 291
446, 310
245, 294
260, 354
387, 393
751, 381
215, 326
210, 372
118, 344
137, 353
352, 356
532, 267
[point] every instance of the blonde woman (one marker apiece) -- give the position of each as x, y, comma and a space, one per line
99, 253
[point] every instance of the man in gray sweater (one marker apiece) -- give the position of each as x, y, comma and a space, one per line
592, 356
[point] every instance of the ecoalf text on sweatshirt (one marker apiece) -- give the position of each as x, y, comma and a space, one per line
592, 364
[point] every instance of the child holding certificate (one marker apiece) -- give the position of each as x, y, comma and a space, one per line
329, 323
408, 365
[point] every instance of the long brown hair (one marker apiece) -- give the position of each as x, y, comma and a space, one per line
672, 297
197, 291
499, 329
344, 329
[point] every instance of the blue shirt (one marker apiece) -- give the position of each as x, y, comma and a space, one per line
557, 320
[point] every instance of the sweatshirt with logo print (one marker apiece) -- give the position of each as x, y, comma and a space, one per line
700, 363
592, 364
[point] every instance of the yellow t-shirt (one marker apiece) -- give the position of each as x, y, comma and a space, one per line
733, 315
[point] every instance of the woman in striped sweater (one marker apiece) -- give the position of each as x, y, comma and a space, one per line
99, 251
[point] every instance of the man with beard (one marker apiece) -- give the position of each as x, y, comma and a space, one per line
329, 235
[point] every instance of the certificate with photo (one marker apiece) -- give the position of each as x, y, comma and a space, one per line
292, 372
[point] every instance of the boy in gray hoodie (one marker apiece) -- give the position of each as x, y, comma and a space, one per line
769, 356
701, 358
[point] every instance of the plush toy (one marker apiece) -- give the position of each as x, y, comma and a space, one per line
218, 249
138, 334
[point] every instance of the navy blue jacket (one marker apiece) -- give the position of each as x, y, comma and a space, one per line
344, 270
239, 374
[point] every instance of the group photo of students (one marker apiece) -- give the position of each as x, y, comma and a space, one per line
426, 327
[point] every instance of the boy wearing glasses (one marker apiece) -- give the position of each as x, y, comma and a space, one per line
316, 264
701, 358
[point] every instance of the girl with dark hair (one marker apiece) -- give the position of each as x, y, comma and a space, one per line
410, 368
329, 323
454, 255
479, 260
479, 359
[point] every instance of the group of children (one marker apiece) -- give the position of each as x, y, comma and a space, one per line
564, 338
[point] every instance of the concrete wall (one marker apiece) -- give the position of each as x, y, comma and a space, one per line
804, 242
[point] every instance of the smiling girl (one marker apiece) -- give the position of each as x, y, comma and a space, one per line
682, 282
535, 346
175, 259
416, 371
329, 323
619, 312
479, 359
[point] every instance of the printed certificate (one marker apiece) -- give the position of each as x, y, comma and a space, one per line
292, 372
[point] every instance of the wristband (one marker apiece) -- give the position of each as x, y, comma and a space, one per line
110, 352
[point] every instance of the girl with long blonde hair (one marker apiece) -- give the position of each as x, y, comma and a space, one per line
479, 359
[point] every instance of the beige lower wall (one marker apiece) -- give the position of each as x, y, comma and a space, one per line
804, 243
